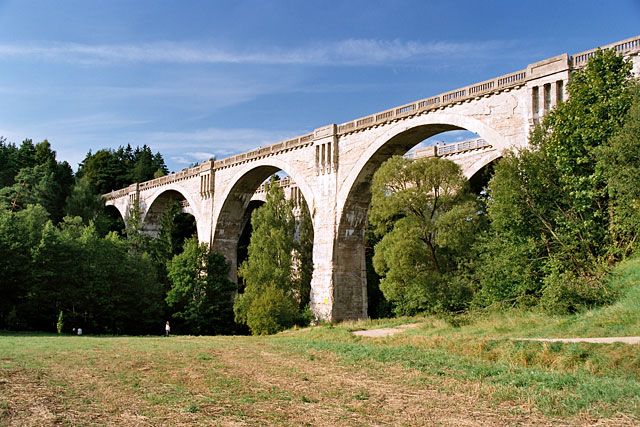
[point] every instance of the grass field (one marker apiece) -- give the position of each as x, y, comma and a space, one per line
432, 374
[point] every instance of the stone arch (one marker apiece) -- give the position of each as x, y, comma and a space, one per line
155, 205
354, 197
483, 165
122, 206
116, 214
112, 207
229, 217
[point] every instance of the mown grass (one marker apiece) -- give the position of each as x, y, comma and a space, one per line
325, 375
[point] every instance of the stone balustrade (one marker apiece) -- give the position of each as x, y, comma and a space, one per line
441, 150
284, 183
624, 47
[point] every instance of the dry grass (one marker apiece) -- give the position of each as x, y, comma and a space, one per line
47, 380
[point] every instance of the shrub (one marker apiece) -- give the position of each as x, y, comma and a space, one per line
272, 311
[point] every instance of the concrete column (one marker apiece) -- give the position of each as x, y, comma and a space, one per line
321, 298
349, 268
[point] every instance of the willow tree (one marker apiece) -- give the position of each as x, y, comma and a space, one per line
427, 219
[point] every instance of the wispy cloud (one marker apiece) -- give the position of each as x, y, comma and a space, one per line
202, 144
178, 148
219, 140
345, 52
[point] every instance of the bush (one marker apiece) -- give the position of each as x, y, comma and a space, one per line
565, 292
272, 311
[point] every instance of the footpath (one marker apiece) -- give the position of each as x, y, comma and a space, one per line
385, 332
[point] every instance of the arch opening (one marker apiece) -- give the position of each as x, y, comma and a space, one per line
233, 227
112, 220
356, 284
480, 180
245, 235
170, 210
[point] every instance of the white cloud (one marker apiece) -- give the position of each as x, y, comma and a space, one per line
345, 52
201, 156
186, 148
202, 144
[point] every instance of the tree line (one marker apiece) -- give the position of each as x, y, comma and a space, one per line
64, 256
67, 262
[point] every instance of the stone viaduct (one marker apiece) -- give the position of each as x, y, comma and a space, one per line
333, 165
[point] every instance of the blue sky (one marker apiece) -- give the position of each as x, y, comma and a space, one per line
194, 79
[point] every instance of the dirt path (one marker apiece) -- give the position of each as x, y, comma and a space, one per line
607, 340
385, 332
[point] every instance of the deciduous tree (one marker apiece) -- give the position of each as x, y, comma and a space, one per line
428, 220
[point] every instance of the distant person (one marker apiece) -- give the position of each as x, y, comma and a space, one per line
79, 331
167, 329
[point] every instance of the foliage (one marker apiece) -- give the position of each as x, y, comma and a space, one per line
51, 265
303, 257
109, 170
38, 179
20, 232
97, 282
201, 293
272, 310
60, 323
427, 219
377, 305
619, 162
551, 234
268, 269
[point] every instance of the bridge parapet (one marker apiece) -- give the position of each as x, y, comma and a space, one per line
202, 169
443, 150
269, 150
284, 183
485, 88
625, 47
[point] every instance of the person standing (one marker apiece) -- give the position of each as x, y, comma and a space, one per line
167, 329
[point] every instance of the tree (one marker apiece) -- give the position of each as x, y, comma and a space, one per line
549, 205
8, 162
268, 269
427, 220
619, 161
99, 284
303, 257
39, 180
20, 233
201, 292
109, 170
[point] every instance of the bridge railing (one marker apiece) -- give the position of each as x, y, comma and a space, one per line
116, 194
439, 150
284, 183
265, 151
624, 47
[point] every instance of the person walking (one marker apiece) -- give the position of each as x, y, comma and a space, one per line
167, 329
